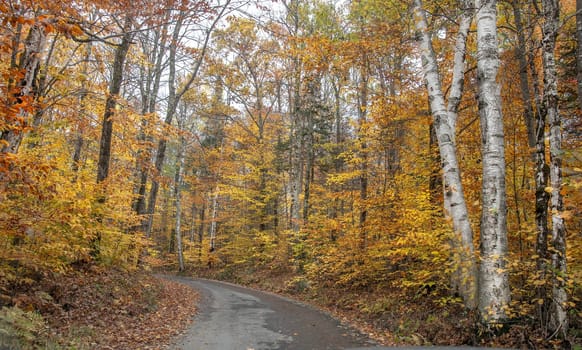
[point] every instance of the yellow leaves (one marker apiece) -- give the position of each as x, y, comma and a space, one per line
341, 178
548, 189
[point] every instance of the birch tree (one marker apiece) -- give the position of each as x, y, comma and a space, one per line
494, 295
296, 132
444, 124
558, 315
178, 182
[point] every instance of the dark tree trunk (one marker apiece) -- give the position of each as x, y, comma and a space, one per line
150, 88
520, 54
363, 153
435, 184
111, 103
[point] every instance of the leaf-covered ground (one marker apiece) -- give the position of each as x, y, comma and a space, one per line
97, 309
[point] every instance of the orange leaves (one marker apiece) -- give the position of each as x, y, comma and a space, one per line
64, 27
17, 20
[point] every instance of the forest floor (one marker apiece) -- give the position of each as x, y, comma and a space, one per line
99, 308
93, 308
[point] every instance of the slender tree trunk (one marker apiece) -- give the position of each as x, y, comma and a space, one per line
296, 154
111, 103
41, 89
458, 78
310, 106
213, 216
297, 168
542, 173
78, 148
171, 110
435, 184
455, 205
520, 54
201, 230
178, 196
494, 294
149, 97
558, 316
15, 44
107, 123
363, 153
463, 256
338, 203
297, 161
27, 86
192, 222
80, 138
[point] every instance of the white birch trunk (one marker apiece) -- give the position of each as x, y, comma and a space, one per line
494, 295
455, 205
458, 79
558, 315
178, 195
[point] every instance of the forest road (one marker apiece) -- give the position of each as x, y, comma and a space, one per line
231, 317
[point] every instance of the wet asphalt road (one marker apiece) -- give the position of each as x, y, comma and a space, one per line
235, 318
231, 317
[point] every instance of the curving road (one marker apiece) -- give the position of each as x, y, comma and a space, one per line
232, 317
236, 318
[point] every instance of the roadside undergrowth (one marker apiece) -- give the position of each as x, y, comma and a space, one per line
91, 307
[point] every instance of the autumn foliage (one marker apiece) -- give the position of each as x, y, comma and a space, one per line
290, 149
